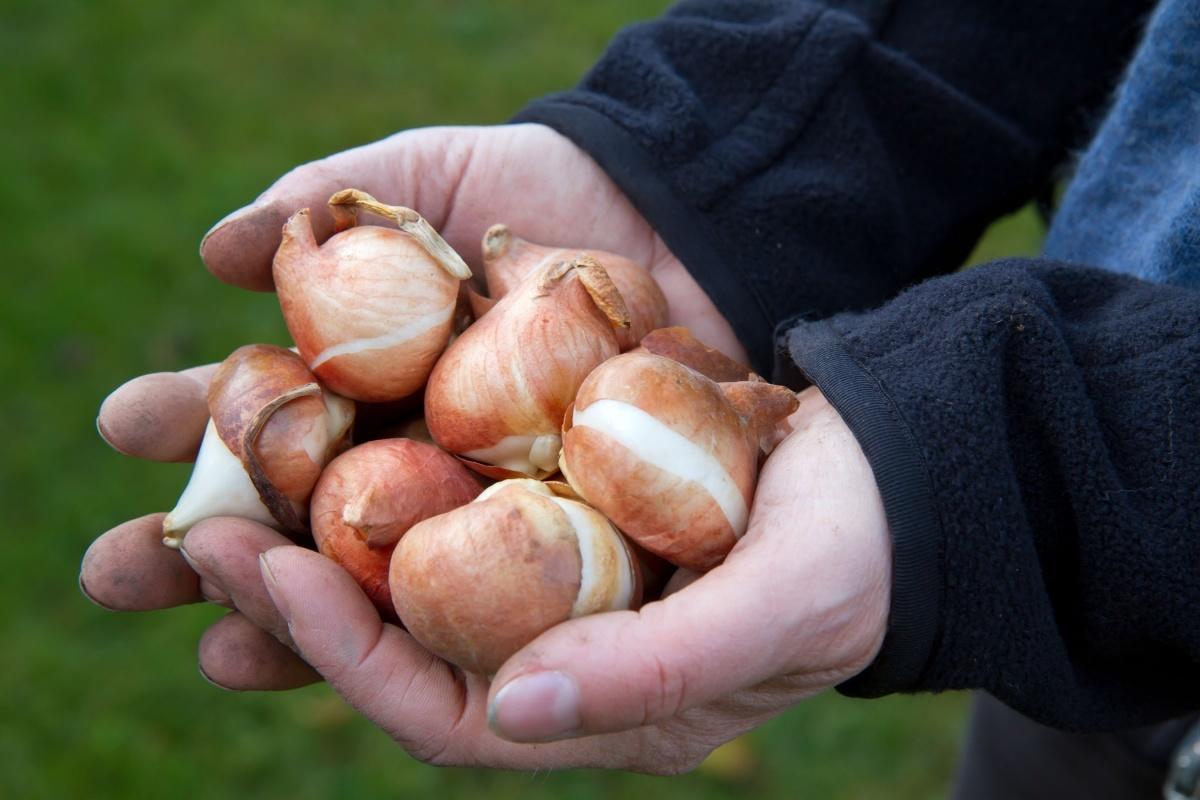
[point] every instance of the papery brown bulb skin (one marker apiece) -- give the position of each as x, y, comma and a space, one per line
371, 495
508, 259
477, 584
370, 310
508, 379
272, 429
296, 440
657, 448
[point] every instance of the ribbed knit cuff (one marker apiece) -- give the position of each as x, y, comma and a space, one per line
820, 354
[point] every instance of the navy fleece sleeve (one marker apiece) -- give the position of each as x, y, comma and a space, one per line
1035, 432
819, 156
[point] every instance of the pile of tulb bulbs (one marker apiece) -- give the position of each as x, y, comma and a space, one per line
565, 367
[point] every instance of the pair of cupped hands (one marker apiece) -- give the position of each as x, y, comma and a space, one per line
798, 606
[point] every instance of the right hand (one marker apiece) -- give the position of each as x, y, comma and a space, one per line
462, 180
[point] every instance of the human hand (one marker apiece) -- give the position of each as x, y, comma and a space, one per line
798, 606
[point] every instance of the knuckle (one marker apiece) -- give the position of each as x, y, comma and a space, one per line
669, 689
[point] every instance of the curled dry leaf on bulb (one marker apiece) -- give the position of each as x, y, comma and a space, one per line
372, 308
370, 495
478, 583
272, 428
669, 455
508, 260
498, 394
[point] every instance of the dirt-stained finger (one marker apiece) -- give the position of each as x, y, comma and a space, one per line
236, 654
130, 569
160, 416
225, 550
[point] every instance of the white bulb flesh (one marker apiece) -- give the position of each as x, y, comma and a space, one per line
511, 453
662, 447
597, 538
219, 486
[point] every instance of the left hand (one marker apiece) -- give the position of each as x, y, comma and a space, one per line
800, 605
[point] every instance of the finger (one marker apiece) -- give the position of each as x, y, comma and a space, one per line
224, 551
236, 654
378, 668
160, 416
129, 569
415, 168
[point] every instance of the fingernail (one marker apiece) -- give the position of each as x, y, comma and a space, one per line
205, 675
104, 435
264, 566
215, 594
229, 218
83, 588
538, 707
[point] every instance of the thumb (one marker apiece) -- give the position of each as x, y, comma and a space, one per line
618, 671
414, 164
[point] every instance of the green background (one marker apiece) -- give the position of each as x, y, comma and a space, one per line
129, 128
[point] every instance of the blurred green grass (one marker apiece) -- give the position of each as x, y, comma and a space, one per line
130, 128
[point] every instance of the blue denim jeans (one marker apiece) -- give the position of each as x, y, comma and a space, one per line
1134, 203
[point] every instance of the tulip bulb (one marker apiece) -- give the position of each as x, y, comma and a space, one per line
498, 394
272, 429
477, 584
670, 456
372, 308
508, 260
370, 495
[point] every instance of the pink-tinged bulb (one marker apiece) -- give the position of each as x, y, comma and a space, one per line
370, 496
477, 584
372, 308
508, 260
499, 392
662, 451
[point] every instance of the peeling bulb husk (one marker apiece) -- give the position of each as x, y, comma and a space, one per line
272, 429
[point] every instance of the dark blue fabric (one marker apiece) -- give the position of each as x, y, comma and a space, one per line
1134, 203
